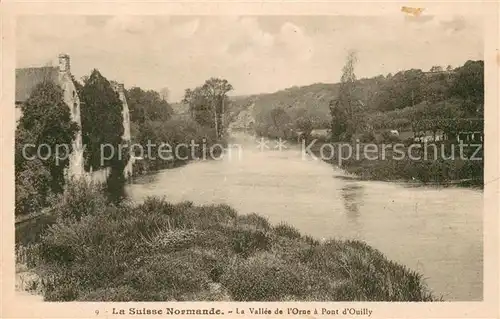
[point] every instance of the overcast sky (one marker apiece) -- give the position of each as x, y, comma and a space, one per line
255, 54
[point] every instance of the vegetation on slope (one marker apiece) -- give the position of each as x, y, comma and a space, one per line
159, 251
385, 102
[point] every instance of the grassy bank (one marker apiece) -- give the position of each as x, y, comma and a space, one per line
443, 172
458, 172
158, 251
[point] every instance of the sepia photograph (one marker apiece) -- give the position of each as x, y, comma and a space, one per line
249, 158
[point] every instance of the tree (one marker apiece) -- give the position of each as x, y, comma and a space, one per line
46, 121
468, 84
305, 125
280, 120
147, 105
341, 109
339, 120
102, 123
209, 103
102, 119
200, 107
436, 68
165, 94
435, 88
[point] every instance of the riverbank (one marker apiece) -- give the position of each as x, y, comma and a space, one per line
440, 172
162, 251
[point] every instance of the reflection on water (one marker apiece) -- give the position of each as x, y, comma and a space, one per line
436, 231
353, 197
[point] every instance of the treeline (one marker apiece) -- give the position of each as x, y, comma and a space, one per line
379, 103
153, 121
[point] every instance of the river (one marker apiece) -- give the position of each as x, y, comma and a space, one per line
435, 231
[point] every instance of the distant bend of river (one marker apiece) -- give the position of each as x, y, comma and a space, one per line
435, 231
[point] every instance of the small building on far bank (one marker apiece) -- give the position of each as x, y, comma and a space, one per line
320, 133
429, 136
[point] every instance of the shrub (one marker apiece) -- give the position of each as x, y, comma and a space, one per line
387, 137
283, 229
32, 188
173, 239
358, 272
310, 240
264, 278
156, 205
80, 199
368, 137
246, 241
255, 221
220, 214
217, 240
170, 275
118, 294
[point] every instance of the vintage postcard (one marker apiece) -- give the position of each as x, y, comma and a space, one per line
250, 159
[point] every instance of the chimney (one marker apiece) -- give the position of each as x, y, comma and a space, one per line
120, 87
64, 63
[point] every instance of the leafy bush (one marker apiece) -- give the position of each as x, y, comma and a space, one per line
80, 198
168, 276
387, 137
46, 120
264, 278
246, 241
32, 188
255, 221
118, 294
283, 229
367, 137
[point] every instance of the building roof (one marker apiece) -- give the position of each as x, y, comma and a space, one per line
28, 78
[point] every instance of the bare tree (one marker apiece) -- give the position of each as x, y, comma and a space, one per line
165, 94
436, 68
343, 108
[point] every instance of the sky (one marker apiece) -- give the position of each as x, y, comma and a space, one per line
256, 54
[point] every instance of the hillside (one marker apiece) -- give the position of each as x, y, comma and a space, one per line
400, 96
315, 98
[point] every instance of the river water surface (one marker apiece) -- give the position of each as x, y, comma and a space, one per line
435, 231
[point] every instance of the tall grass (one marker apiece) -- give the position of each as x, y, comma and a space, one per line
158, 251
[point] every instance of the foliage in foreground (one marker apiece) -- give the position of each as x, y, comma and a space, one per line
159, 251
